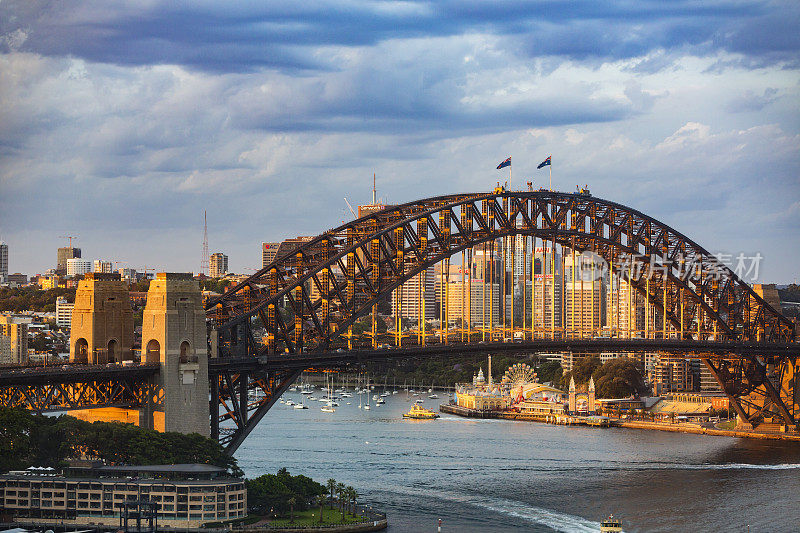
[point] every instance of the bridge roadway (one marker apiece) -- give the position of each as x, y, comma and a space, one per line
71, 373
341, 357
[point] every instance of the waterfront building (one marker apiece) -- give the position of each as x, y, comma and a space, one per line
218, 265
708, 383
78, 267
104, 267
64, 313
3, 262
65, 253
14, 349
185, 495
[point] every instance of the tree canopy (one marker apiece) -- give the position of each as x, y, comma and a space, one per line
272, 492
34, 440
619, 378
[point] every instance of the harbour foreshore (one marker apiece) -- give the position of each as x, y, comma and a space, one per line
681, 427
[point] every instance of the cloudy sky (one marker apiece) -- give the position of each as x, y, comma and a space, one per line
122, 122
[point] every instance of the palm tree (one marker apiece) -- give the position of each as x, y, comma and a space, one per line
331, 486
292, 501
340, 488
321, 502
353, 497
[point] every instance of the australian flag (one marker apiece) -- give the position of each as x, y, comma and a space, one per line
506, 163
544, 163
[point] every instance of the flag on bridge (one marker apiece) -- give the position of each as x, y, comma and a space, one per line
545, 163
506, 163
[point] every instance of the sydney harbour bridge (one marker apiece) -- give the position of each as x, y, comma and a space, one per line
298, 312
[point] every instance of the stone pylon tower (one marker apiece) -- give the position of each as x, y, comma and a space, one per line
102, 321
174, 334
572, 403
592, 407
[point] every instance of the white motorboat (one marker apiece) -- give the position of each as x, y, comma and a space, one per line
433, 397
300, 406
327, 409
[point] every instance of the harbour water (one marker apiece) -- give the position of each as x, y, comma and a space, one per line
498, 475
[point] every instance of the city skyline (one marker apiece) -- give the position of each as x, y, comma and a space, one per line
685, 113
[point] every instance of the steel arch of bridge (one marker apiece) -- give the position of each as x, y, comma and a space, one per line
381, 251
700, 297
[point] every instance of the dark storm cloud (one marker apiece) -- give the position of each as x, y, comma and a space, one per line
246, 36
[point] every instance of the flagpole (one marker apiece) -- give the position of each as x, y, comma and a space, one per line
509, 175
551, 171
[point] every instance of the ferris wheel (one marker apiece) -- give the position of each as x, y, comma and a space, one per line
518, 375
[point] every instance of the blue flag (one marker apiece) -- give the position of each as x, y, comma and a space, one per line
506, 163
544, 163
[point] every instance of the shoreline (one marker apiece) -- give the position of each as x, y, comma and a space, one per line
683, 427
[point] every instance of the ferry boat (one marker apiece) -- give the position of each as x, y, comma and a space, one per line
420, 413
610, 525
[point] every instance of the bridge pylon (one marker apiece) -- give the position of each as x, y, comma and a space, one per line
174, 334
102, 321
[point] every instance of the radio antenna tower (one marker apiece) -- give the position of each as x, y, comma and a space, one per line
204, 260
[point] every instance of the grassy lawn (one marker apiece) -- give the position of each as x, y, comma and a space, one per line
311, 517
728, 424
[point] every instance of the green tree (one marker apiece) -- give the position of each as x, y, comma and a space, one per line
331, 486
582, 370
619, 378
549, 371
292, 502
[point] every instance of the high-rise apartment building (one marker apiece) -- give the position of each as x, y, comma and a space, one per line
482, 308
15, 348
78, 266
416, 296
64, 313
625, 309
103, 267
218, 265
65, 253
128, 275
3, 262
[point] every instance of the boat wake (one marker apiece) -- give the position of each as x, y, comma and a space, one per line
555, 520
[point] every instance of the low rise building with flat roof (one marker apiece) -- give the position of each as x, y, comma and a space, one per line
185, 495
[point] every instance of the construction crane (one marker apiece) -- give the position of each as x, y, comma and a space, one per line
70, 237
351, 208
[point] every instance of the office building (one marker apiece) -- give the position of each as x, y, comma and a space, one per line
268, 251
15, 349
218, 265
103, 267
65, 253
64, 313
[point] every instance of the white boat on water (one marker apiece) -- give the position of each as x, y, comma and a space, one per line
289, 402
380, 401
366, 408
394, 392
384, 394
305, 391
300, 406
374, 396
327, 409
433, 397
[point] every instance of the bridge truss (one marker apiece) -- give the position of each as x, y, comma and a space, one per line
308, 300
